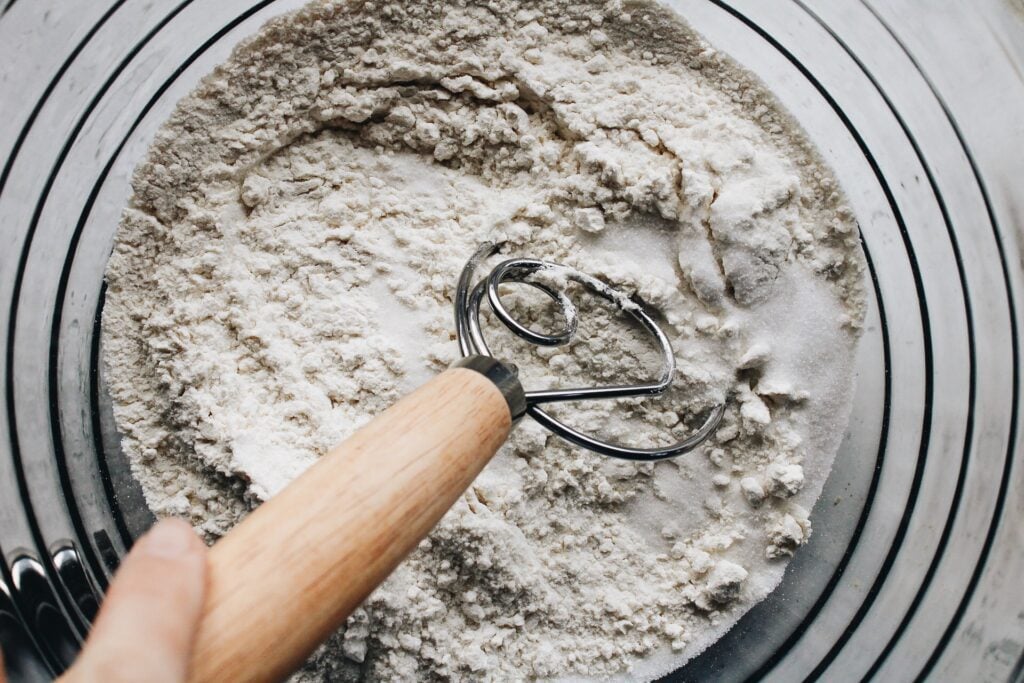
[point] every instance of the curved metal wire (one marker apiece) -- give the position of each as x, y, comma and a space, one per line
469, 296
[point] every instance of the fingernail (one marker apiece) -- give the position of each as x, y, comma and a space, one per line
168, 539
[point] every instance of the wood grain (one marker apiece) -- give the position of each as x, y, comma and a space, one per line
290, 574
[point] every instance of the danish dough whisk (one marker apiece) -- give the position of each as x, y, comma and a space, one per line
289, 574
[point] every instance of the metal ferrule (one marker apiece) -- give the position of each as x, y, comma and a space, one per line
505, 377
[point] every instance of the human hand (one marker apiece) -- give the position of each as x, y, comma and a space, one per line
147, 624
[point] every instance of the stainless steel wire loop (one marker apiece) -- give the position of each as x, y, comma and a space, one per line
469, 296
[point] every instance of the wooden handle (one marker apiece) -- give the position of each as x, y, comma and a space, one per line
290, 574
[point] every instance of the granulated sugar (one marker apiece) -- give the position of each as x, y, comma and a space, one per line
285, 271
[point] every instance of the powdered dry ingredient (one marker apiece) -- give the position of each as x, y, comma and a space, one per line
285, 271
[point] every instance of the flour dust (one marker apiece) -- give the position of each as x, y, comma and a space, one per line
285, 271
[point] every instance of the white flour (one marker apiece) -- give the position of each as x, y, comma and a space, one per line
285, 271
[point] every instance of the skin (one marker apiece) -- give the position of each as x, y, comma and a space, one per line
146, 627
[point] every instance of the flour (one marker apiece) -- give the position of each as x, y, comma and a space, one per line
285, 271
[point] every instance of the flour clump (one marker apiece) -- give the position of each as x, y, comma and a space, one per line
285, 270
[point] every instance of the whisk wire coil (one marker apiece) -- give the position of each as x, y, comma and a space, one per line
469, 298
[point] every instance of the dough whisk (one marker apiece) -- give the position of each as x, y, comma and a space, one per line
289, 574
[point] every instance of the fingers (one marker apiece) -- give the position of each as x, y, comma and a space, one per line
145, 629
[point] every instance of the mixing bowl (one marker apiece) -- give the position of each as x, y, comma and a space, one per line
913, 568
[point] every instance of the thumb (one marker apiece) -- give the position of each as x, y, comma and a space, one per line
146, 627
